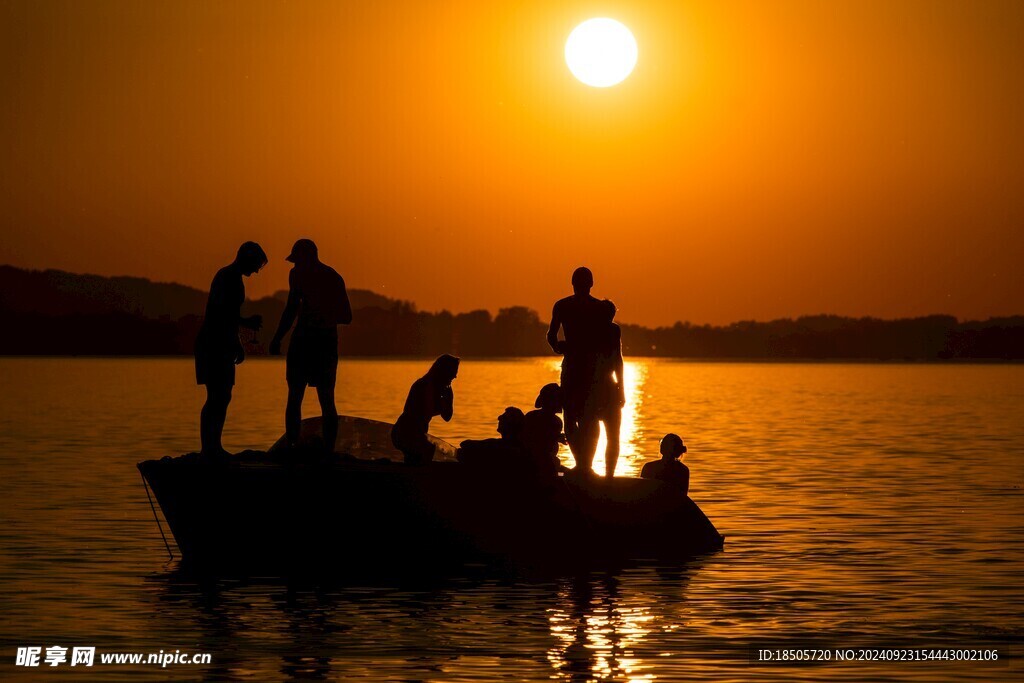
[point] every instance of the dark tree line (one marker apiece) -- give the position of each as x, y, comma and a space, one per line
833, 337
404, 331
57, 313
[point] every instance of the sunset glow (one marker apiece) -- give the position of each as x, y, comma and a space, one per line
763, 160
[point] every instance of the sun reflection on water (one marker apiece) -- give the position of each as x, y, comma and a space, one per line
595, 633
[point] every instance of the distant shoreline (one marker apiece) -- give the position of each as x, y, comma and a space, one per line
68, 315
712, 359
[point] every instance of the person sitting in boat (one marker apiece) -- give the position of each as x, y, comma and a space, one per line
669, 469
430, 395
504, 453
542, 430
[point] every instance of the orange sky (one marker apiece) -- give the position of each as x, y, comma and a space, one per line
765, 159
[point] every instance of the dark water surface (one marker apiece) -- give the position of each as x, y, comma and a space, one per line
864, 506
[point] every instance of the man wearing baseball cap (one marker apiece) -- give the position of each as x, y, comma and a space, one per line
317, 304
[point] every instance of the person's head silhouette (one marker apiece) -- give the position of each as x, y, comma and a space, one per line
582, 280
444, 369
609, 310
672, 447
549, 398
250, 258
510, 422
304, 253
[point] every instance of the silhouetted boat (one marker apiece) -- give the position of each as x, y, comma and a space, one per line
362, 507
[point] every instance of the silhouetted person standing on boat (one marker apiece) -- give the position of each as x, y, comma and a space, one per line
317, 298
608, 396
579, 316
430, 395
218, 349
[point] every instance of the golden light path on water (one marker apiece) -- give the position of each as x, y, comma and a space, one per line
631, 459
595, 640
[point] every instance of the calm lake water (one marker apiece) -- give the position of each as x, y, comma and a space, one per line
864, 506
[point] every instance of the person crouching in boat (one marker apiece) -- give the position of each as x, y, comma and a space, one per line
502, 454
430, 395
542, 430
669, 469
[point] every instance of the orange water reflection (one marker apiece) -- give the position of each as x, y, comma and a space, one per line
599, 629
879, 504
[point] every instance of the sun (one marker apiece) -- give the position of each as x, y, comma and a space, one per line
601, 52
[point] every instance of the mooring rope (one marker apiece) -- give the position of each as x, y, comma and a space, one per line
156, 516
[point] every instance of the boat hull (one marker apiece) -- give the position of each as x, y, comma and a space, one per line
257, 511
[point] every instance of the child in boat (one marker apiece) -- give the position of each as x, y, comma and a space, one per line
503, 453
542, 430
669, 469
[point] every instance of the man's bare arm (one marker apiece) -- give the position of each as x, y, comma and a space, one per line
556, 322
447, 404
291, 309
621, 381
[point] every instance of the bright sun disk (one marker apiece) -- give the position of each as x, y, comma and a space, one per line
601, 52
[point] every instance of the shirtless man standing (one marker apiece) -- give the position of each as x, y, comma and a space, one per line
579, 316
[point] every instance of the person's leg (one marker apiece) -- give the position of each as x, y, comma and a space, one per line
416, 449
612, 424
581, 395
213, 416
571, 410
572, 428
293, 412
325, 393
587, 436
